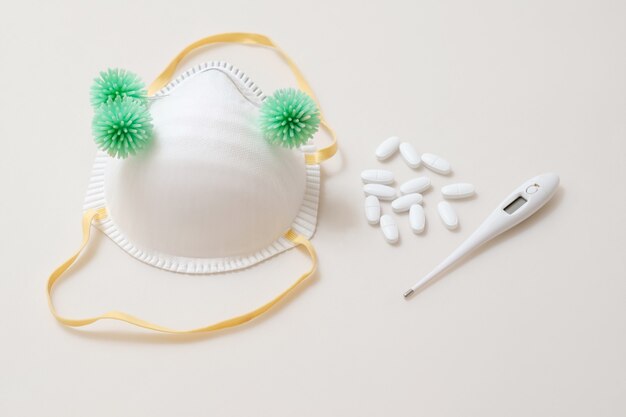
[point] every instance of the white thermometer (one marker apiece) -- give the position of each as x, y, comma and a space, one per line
517, 207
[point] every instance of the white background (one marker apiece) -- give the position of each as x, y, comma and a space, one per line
533, 325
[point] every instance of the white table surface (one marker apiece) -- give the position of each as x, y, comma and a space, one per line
533, 325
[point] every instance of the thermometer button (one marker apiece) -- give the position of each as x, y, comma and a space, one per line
532, 189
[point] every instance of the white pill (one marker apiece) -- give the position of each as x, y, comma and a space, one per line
460, 190
372, 209
377, 176
402, 204
387, 148
436, 163
416, 185
389, 228
384, 192
417, 218
410, 155
448, 215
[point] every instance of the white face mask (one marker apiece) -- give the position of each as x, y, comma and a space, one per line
210, 193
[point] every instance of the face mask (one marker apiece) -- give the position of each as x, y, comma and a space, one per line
207, 189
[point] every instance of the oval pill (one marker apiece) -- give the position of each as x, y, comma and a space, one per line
390, 228
387, 148
384, 192
460, 190
402, 204
436, 163
372, 209
410, 155
417, 218
448, 215
416, 185
377, 176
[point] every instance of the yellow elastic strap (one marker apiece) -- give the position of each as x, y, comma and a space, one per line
258, 40
90, 215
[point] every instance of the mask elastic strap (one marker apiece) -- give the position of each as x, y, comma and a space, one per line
100, 214
313, 158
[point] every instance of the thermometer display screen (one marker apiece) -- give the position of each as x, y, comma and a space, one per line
515, 205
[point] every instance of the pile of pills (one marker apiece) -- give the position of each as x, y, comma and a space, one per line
378, 187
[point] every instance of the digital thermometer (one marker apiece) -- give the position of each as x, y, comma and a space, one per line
517, 207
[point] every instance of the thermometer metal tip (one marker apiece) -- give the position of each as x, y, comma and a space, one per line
408, 293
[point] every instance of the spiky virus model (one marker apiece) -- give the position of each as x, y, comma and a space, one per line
122, 126
289, 118
117, 83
